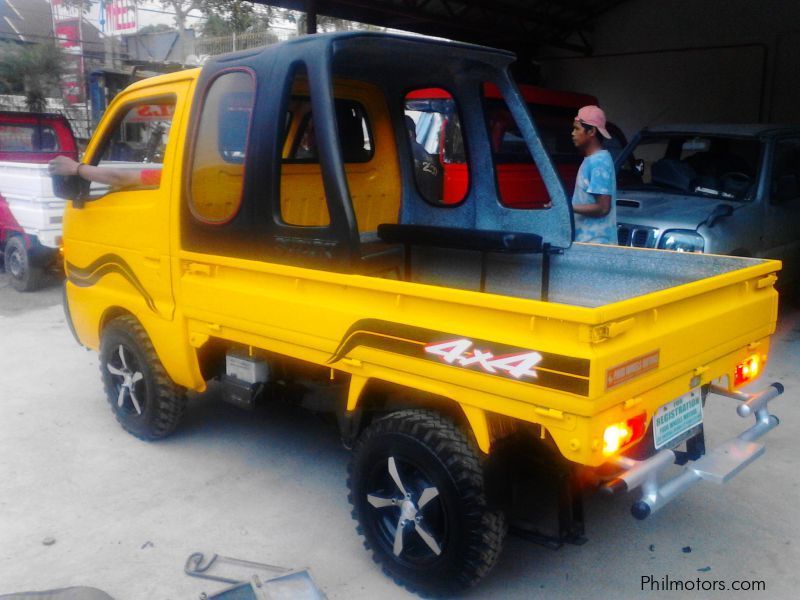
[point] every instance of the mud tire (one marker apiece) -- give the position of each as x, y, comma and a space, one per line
161, 401
431, 449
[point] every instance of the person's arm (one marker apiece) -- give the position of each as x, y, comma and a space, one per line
118, 178
599, 208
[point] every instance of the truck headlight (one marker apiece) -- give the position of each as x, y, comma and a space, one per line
682, 240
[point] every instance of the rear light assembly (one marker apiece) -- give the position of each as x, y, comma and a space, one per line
747, 370
618, 435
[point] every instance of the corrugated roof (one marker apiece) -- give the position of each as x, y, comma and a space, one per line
733, 129
519, 25
25, 20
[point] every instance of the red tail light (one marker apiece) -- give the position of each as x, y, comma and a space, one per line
747, 370
618, 435
637, 427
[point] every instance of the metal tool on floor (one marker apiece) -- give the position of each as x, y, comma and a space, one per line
252, 580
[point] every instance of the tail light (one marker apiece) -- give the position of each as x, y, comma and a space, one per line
747, 370
618, 435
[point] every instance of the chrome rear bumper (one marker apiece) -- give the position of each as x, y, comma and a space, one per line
719, 465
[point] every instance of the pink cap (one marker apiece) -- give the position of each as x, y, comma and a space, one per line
594, 116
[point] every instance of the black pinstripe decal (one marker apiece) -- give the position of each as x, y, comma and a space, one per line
555, 371
108, 263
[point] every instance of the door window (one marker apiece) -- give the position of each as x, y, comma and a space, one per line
220, 148
437, 146
786, 171
355, 137
137, 143
303, 201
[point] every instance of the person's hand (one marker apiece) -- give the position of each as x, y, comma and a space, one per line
62, 165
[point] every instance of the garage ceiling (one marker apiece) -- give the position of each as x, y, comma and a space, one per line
519, 25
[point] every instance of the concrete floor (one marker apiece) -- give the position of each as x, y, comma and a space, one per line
269, 487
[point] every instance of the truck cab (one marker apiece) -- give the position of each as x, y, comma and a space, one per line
30, 212
284, 246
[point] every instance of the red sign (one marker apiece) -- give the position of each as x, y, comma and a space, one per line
68, 34
67, 29
148, 113
121, 15
619, 374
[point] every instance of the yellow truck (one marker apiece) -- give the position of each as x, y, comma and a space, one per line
285, 241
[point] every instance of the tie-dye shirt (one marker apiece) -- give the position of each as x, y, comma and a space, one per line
596, 177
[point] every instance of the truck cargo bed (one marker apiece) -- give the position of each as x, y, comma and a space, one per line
587, 275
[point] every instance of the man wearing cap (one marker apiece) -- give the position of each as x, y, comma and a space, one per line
594, 200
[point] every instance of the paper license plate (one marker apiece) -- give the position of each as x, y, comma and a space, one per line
677, 417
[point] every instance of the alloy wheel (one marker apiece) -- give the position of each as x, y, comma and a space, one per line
411, 518
127, 379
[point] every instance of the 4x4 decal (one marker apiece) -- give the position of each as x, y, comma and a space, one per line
108, 263
462, 353
547, 369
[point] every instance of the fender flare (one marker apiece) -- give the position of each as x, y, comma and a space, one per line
476, 417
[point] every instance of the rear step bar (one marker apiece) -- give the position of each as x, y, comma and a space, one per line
718, 466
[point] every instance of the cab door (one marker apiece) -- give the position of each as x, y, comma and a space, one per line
782, 208
117, 245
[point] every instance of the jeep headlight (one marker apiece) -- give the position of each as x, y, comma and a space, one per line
682, 240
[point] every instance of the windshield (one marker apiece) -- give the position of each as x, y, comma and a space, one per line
695, 165
19, 137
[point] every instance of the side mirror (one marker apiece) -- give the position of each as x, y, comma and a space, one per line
638, 165
71, 187
721, 211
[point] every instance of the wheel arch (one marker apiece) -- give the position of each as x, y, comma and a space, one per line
369, 395
28, 239
172, 347
111, 313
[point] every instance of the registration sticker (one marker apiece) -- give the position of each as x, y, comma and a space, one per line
677, 417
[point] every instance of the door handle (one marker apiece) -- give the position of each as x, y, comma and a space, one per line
198, 269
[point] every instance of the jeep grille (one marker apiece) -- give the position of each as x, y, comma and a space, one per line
636, 236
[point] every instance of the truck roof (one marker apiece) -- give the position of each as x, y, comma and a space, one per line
12, 116
323, 41
727, 129
192, 73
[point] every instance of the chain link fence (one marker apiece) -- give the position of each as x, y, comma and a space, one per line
242, 41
